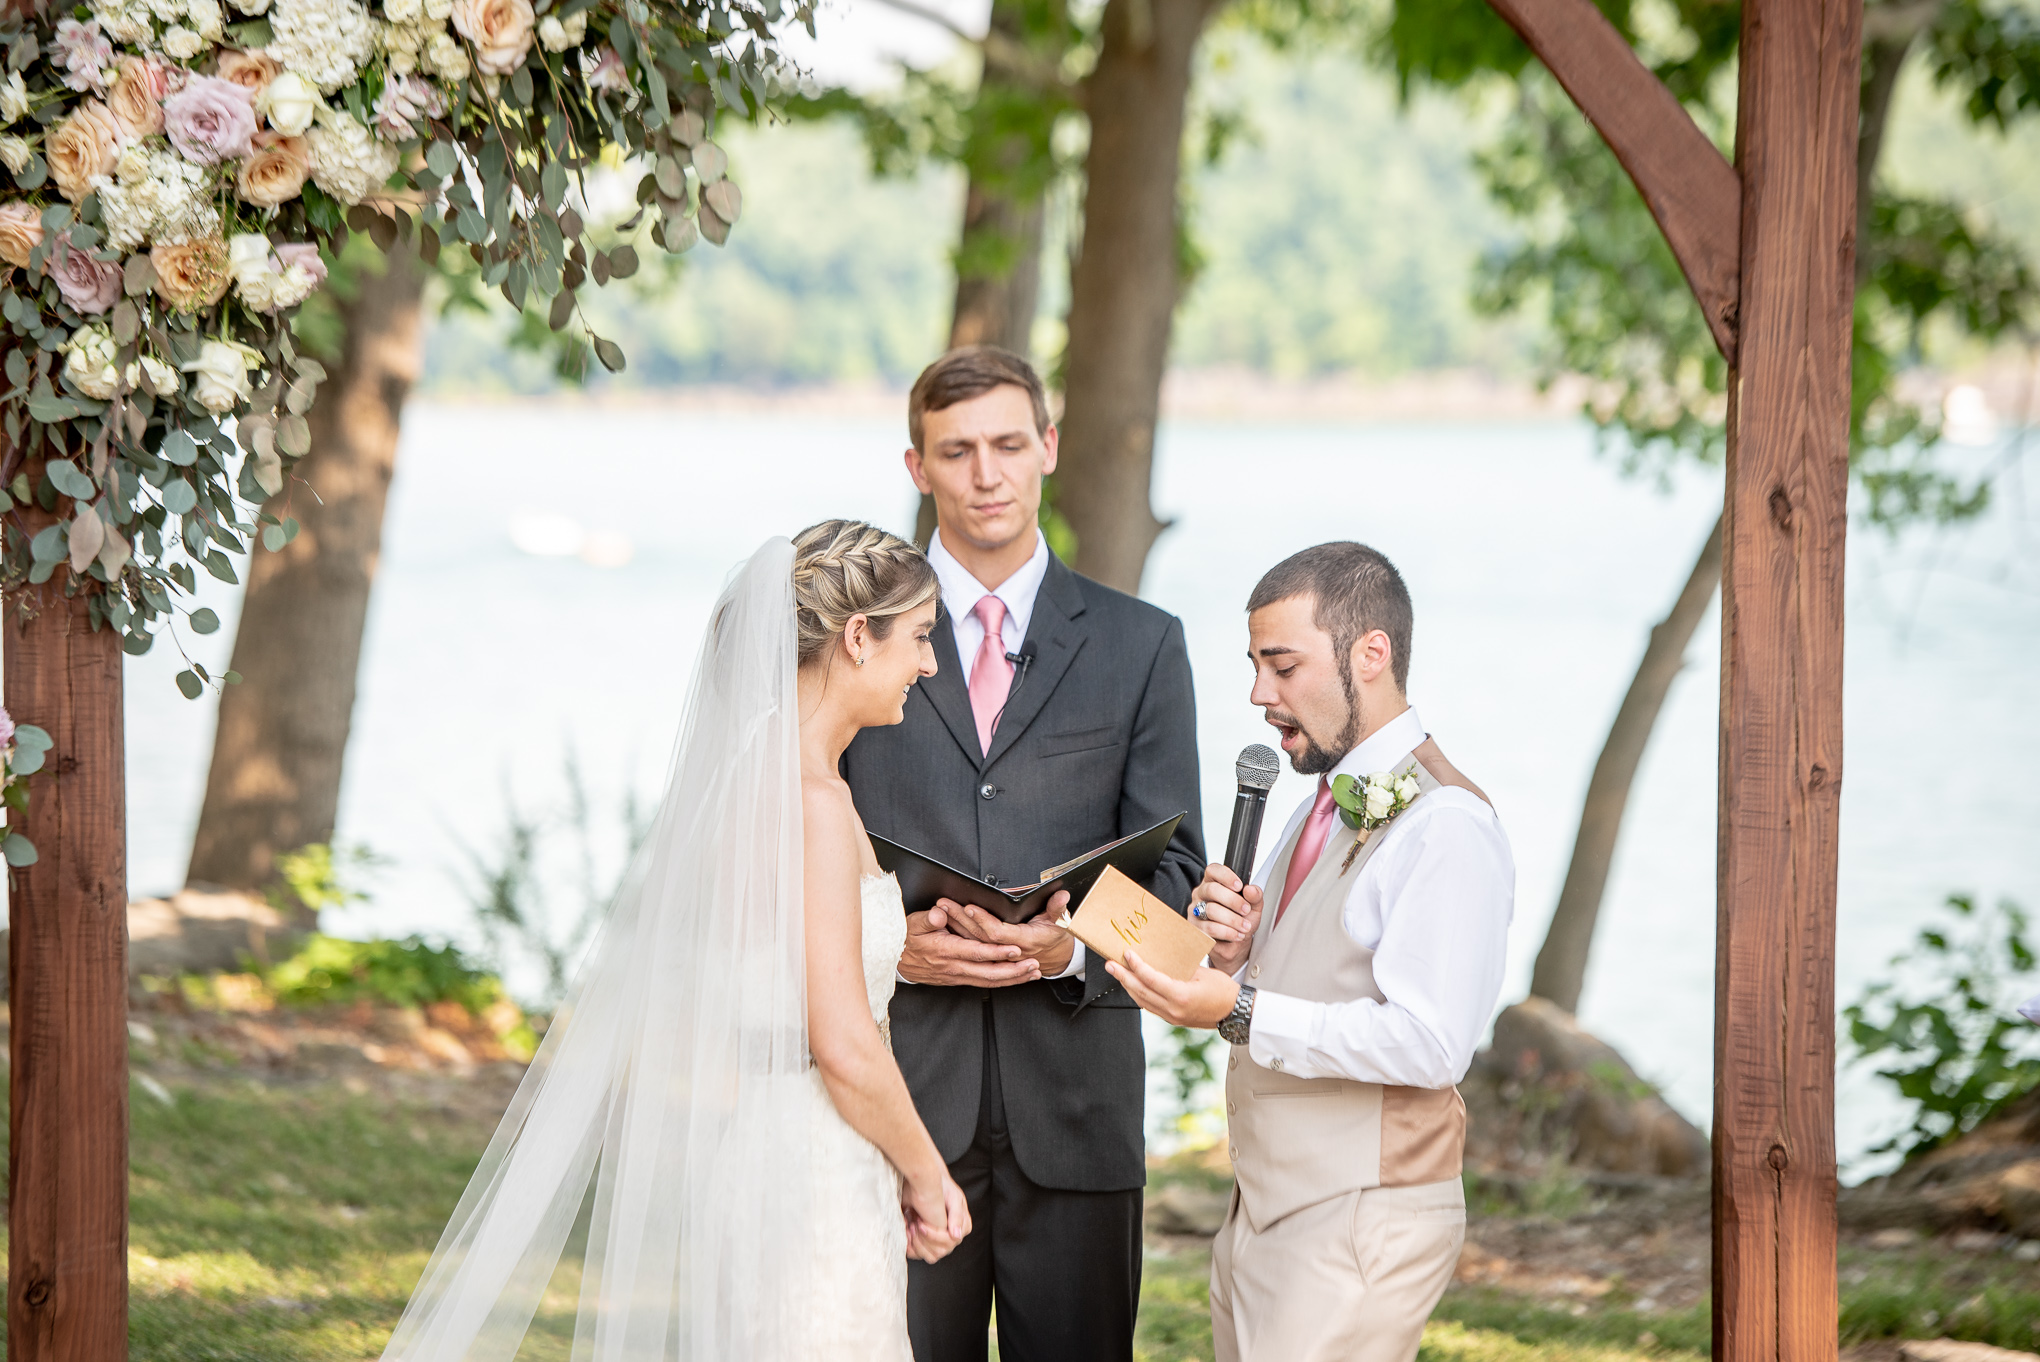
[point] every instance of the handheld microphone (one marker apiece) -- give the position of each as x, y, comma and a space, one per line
1257, 768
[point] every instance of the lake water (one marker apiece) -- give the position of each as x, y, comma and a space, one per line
1536, 571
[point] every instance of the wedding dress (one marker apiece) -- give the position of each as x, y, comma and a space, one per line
674, 1109
859, 1304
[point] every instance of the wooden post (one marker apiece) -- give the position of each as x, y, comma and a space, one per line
67, 981
1784, 522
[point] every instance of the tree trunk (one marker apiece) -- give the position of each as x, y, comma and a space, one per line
998, 252
1562, 963
1124, 287
275, 779
67, 987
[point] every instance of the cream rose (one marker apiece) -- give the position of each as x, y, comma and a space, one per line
15, 152
219, 376
89, 365
191, 274
14, 102
500, 30
1379, 800
252, 71
1407, 789
152, 375
290, 103
275, 170
136, 99
85, 145
20, 231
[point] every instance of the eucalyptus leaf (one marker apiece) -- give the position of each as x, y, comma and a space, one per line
70, 481
27, 761
179, 448
19, 850
33, 737
204, 621
610, 353
179, 496
190, 685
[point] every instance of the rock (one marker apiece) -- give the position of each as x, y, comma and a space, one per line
1958, 1350
202, 930
1182, 1208
2019, 1191
1549, 1088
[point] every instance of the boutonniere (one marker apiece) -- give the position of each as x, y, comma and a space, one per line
1373, 803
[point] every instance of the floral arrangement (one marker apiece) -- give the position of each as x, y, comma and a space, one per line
22, 749
1372, 803
179, 173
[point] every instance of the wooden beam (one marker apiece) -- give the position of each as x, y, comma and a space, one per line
1688, 185
67, 981
1785, 518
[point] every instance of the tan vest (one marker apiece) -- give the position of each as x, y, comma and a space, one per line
1298, 1141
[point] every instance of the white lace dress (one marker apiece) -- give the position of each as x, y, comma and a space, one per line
859, 1303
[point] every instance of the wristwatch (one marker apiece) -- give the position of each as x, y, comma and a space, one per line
1240, 1021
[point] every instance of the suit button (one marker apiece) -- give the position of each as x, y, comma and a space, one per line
1276, 1063
1233, 1063
1253, 971
987, 790
1230, 1108
1235, 1152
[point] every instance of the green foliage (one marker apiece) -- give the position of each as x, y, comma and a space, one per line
407, 973
317, 877
539, 895
1945, 1032
1594, 264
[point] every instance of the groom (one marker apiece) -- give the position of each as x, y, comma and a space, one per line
1365, 989
1061, 719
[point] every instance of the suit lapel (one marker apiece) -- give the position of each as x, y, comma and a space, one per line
949, 691
1054, 637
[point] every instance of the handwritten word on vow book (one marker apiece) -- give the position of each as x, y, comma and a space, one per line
1118, 915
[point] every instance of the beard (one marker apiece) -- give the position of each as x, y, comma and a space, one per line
1318, 757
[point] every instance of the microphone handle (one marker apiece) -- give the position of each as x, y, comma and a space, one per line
1246, 832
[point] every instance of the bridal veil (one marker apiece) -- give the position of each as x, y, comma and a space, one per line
669, 1086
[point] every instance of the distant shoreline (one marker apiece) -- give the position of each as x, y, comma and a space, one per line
1457, 395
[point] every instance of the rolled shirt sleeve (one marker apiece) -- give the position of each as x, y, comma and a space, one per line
1440, 895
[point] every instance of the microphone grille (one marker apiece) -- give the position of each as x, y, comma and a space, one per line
1258, 766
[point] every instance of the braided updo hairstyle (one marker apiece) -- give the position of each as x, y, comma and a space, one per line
846, 567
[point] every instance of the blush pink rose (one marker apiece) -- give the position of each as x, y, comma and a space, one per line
91, 286
210, 120
302, 253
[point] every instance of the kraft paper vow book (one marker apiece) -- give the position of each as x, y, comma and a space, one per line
1118, 915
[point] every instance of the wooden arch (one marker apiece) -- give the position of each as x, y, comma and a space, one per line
1767, 245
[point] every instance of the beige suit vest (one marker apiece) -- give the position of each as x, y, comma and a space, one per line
1298, 1141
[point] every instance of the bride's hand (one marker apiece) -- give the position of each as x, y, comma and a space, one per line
938, 1218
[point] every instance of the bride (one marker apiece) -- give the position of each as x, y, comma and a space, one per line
715, 1107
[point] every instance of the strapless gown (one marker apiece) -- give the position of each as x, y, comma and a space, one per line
859, 1303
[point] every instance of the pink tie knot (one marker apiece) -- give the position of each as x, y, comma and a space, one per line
1325, 804
991, 612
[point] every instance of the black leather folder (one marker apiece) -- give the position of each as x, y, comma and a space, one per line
923, 879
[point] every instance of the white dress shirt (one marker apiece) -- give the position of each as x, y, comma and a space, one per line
961, 593
1433, 903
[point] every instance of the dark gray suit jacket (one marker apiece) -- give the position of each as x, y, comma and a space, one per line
1098, 740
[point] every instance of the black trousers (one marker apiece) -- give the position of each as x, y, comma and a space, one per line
1063, 1266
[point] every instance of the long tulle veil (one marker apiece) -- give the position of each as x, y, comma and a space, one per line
670, 1081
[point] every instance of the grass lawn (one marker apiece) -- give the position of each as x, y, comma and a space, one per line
278, 1222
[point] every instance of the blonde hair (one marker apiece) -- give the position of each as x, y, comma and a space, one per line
846, 567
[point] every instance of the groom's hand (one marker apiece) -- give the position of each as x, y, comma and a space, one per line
1201, 1001
1227, 910
1038, 938
936, 955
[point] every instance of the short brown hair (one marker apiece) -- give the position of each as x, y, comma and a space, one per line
1357, 590
967, 371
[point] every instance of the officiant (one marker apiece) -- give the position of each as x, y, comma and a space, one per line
1062, 718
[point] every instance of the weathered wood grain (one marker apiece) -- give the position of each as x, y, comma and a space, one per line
1686, 182
1781, 687
67, 980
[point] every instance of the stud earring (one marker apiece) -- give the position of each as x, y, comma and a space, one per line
860, 661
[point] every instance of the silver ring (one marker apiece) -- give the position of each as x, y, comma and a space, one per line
1196, 910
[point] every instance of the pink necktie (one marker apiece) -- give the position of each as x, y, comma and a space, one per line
991, 675
1310, 844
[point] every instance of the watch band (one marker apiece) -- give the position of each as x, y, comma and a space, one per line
1239, 1022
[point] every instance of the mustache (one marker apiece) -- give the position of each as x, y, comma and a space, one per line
1276, 716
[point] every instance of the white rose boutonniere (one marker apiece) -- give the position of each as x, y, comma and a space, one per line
1373, 803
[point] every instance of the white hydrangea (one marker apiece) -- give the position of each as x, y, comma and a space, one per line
125, 21
325, 41
154, 195
208, 18
558, 35
348, 161
447, 57
438, 11
402, 11
169, 11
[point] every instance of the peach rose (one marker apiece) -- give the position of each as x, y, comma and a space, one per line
191, 274
84, 145
251, 70
275, 170
136, 99
501, 31
20, 231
